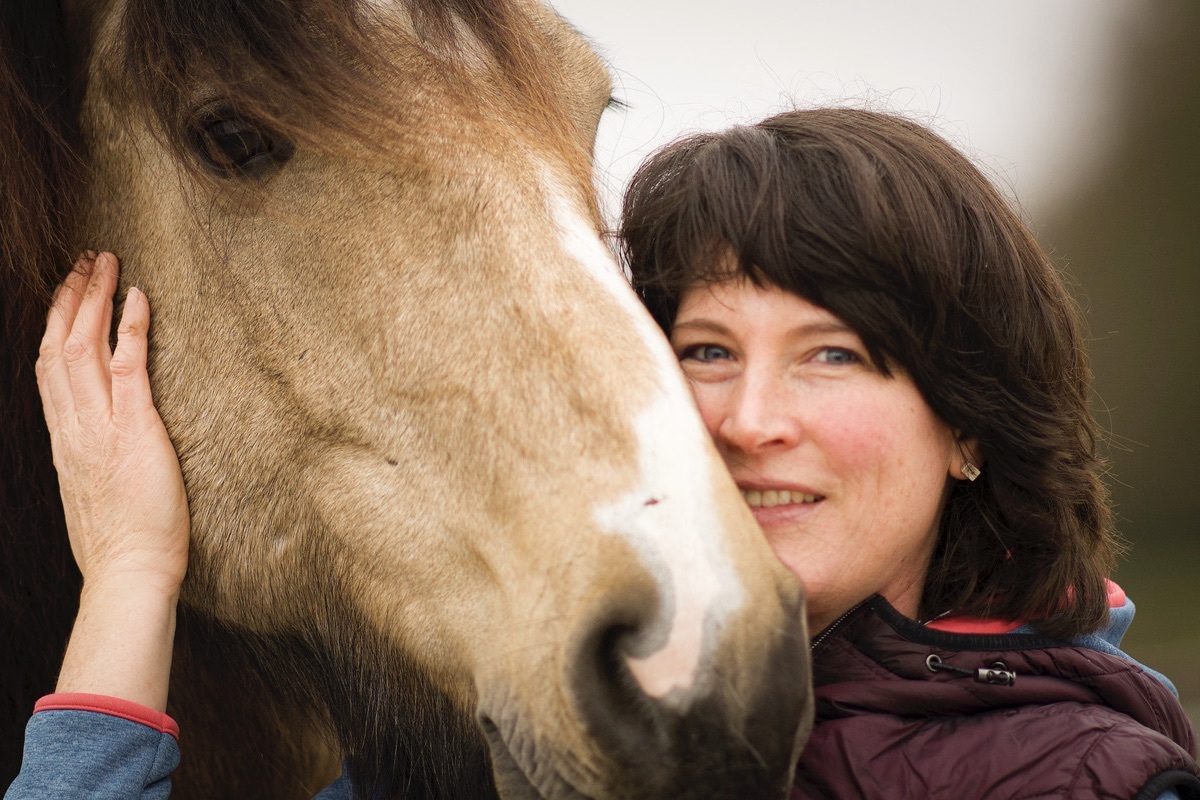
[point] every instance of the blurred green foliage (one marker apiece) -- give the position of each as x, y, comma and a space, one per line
1131, 238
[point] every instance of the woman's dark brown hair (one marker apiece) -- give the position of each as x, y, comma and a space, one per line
885, 224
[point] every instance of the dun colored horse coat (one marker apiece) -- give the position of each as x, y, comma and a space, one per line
454, 517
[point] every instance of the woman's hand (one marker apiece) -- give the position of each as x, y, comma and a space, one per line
121, 486
120, 481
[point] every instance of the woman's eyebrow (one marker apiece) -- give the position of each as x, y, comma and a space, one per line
702, 325
821, 327
814, 328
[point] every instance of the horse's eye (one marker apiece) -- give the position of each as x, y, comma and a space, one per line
232, 146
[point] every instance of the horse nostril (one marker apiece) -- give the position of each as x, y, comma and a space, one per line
630, 726
612, 672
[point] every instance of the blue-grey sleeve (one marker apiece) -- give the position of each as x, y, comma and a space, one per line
72, 753
338, 790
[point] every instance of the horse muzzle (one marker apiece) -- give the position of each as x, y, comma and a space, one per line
734, 735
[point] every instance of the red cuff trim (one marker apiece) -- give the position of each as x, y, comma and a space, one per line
112, 706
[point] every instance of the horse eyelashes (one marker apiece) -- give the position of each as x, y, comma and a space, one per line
232, 146
236, 143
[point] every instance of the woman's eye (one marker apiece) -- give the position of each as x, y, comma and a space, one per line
705, 353
837, 355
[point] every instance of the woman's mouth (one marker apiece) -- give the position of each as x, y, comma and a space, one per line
772, 498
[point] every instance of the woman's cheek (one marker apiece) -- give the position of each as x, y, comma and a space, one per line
709, 400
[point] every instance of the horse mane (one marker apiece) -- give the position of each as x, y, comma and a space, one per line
38, 158
41, 176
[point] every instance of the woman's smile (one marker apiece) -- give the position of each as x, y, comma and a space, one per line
772, 498
776, 507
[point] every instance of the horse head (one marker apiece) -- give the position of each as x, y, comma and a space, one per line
442, 467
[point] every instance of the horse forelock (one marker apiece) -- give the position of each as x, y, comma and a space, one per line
306, 69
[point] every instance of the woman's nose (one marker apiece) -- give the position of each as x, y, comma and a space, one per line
761, 414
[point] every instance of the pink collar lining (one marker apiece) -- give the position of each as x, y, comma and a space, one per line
984, 626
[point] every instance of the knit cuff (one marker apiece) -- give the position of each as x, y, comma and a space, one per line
112, 706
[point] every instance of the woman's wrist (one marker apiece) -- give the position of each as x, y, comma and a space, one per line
121, 644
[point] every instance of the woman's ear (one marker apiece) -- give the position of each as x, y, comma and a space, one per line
967, 462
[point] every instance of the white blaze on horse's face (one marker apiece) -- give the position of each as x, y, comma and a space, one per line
670, 516
430, 434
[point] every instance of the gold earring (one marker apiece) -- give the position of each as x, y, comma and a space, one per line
970, 471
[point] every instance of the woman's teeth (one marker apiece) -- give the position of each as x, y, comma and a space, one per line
773, 497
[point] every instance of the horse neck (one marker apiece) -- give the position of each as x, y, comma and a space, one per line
355, 704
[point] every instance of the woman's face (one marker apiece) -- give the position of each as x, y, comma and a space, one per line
845, 469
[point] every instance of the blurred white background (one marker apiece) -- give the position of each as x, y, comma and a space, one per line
1019, 85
